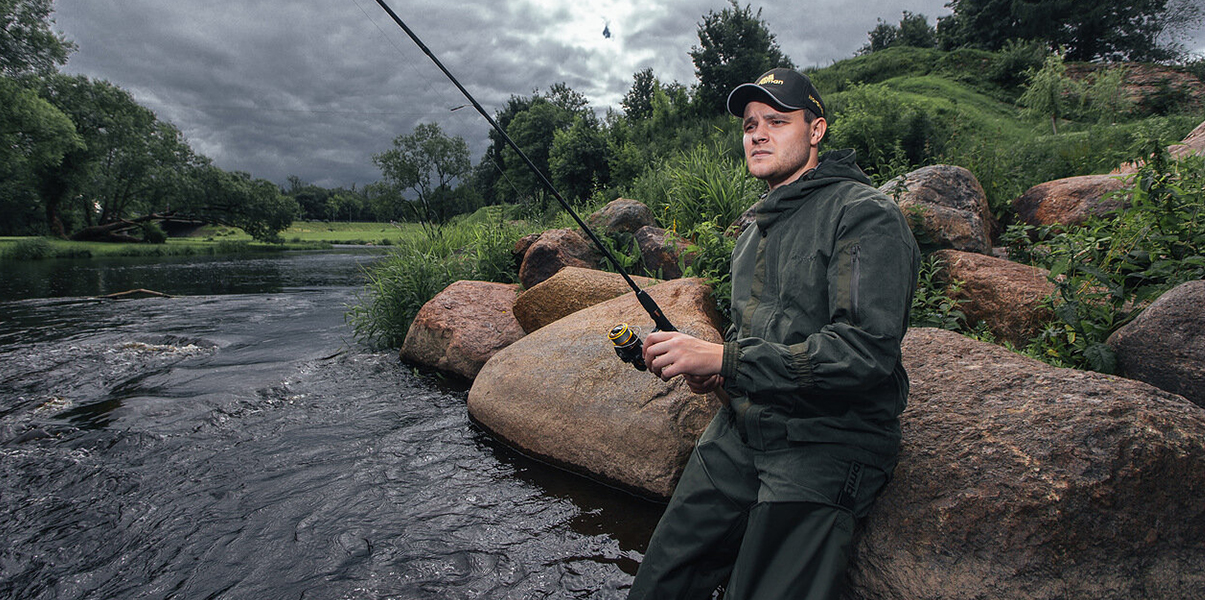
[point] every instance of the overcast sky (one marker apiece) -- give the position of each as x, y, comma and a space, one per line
314, 88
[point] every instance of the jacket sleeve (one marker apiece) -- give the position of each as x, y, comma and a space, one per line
871, 279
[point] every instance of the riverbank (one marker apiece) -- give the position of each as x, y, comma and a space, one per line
216, 240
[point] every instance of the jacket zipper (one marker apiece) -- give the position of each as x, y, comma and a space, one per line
856, 260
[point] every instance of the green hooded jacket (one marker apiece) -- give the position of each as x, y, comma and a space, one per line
822, 286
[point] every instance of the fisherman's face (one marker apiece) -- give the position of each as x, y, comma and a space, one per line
779, 145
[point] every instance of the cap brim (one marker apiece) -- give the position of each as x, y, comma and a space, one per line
745, 93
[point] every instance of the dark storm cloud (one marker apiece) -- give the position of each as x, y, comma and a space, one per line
314, 88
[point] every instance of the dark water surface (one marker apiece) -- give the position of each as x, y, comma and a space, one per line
235, 442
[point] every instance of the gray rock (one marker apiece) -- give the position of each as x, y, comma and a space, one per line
1165, 345
621, 216
660, 253
946, 208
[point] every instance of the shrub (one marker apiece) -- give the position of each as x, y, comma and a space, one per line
712, 260
152, 233
706, 184
30, 249
1108, 270
890, 133
397, 288
932, 305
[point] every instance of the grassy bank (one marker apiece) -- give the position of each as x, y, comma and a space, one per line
356, 233
214, 240
34, 248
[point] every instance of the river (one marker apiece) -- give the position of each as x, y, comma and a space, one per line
234, 441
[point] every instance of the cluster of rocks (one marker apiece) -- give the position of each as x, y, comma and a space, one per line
1016, 479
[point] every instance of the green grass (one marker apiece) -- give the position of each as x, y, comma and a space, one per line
361, 233
32, 248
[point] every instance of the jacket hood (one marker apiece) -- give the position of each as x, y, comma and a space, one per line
835, 166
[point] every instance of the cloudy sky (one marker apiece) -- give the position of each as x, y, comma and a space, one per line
314, 88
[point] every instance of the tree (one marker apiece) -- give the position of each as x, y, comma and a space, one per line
34, 136
256, 206
425, 162
1050, 91
735, 46
27, 45
129, 162
579, 159
638, 102
1112, 30
913, 30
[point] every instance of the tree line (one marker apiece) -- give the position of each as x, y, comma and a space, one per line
585, 155
81, 159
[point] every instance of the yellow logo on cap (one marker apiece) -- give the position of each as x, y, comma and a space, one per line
769, 79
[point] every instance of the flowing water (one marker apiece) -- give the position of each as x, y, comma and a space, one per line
233, 441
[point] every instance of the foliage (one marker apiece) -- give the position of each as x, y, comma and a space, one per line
579, 159
705, 184
890, 133
914, 30
29, 249
1050, 91
398, 287
932, 303
476, 248
1090, 30
735, 45
638, 102
426, 163
1017, 58
711, 258
27, 43
1109, 269
34, 137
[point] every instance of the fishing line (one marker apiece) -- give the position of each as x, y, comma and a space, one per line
646, 301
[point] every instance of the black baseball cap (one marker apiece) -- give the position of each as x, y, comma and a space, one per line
786, 89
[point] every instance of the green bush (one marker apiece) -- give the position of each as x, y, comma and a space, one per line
30, 249
932, 305
152, 233
398, 287
1106, 271
891, 133
712, 260
705, 184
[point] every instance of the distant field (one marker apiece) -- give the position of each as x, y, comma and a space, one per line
331, 233
303, 235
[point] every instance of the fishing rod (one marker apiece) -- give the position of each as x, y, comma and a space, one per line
621, 337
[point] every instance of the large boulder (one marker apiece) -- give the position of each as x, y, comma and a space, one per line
660, 253
554, 250
621, 216
1165, 345
561, 394
459, 329
1070, 201
570, 290
946, 208
1006, 296
1020, 480
1193, 144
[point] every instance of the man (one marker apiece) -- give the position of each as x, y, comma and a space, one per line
822, 285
